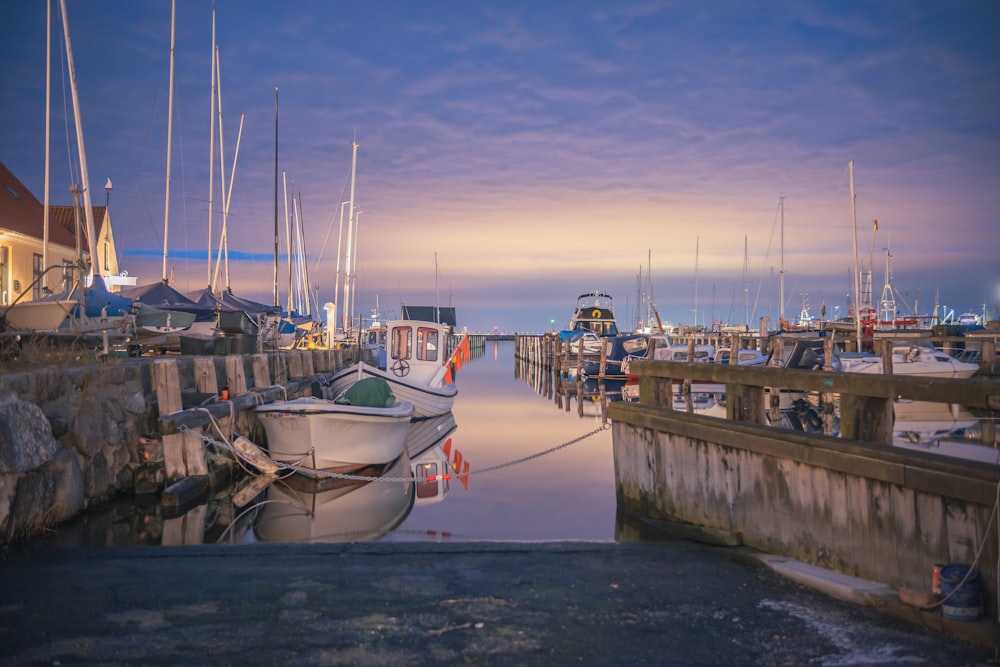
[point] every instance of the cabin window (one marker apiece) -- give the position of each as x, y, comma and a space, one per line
401, 337
427, 344
36, 273
635, 345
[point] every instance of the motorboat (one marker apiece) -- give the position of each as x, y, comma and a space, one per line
620, 350
664, 349
416, 366
364, 425
706, 404
595, 313
923, 359
914, 358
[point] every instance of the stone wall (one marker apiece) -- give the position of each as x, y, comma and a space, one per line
72, 437
69, 438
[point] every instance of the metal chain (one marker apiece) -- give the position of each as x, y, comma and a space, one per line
365, 478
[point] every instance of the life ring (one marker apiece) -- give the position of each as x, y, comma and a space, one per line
596, 314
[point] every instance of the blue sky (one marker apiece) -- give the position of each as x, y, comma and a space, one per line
541, 150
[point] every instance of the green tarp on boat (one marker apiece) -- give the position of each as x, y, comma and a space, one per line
369, 392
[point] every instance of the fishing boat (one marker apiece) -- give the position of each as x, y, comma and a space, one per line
594, 313
416, 365
365, 425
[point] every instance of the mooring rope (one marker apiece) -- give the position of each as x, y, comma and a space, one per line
292, 468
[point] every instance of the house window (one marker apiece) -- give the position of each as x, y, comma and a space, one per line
36, 273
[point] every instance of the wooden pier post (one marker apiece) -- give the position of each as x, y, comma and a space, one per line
183, 453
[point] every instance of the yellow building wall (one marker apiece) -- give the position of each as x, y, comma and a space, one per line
19, 263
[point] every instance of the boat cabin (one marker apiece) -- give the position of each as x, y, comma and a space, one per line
416, 350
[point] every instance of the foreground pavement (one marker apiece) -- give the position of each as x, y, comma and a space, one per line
656, 603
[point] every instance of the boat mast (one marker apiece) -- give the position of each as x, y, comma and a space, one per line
887, 314
781, 266
48, 132
302, 251
276, 301
746, 283
857, 276
340, 238
211, 157
288, 240
696, 241
350, 236
227, 197
170, 125
222, 166
95, 260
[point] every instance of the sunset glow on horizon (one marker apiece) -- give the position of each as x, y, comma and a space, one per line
514, 155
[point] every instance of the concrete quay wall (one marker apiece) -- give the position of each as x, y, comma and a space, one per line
73, 437
854, 507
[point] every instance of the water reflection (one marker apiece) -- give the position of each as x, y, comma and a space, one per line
937, 428
298, 509
568, 494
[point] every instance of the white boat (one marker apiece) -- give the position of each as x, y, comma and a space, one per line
320, 433
39, 315
416, 364
297, 509
923, 359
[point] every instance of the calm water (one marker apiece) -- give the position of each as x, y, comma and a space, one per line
568, 494
498, 418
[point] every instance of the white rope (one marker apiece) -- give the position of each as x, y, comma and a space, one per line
313, 472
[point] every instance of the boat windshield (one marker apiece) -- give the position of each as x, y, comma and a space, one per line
427, 344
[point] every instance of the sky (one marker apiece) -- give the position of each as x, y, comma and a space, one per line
514, 155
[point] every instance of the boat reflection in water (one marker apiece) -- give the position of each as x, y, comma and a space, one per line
299, 508
940, 428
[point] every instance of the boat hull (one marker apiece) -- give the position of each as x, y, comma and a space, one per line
317, 433
38, 315
428, 401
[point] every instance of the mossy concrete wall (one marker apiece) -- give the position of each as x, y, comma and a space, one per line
863, 509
